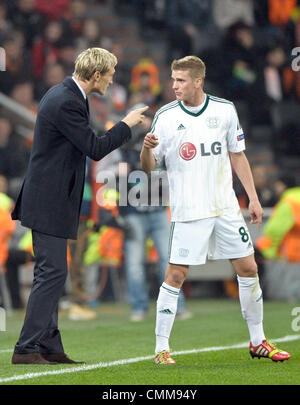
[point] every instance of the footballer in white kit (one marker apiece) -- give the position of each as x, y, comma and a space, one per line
201, 141
195, 147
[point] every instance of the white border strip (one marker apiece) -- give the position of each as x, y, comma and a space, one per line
28, 376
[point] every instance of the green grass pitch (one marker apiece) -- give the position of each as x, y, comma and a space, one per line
104, 342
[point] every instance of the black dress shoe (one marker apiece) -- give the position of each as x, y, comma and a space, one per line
30, 358
60, 358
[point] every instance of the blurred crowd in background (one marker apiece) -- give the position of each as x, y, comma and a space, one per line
247, 46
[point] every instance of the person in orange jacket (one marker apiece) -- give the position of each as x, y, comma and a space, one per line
7, 227
281, 234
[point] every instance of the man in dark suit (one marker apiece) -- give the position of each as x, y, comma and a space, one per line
50, 199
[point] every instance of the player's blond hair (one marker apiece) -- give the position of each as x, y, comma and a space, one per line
93, 60
193, 64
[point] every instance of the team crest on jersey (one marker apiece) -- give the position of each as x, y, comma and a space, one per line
187, 151
213, 122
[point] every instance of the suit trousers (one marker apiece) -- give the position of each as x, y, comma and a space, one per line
40, 331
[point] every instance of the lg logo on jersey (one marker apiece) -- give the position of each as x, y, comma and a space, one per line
188, 150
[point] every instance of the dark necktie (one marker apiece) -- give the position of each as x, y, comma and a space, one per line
87, 106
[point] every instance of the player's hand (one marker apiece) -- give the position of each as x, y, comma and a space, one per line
135, 117
256, 212
150, 141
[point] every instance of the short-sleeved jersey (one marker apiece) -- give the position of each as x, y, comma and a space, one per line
195, 148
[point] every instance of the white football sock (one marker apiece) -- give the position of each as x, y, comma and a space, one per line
252, 307
166, 308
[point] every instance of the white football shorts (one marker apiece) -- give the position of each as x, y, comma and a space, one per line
222, 237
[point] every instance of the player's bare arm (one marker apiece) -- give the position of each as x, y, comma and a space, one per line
241, 167
147, 158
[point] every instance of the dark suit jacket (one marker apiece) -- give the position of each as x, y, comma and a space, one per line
51, 195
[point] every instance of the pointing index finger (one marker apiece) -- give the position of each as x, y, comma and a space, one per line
143, 109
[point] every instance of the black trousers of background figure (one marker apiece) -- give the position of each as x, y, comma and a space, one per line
40, 330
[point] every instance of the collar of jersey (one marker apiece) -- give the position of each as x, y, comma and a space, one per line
198, 113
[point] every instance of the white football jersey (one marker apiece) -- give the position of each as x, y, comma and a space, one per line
195, 148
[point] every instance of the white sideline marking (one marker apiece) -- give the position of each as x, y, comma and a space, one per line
28, 376
6, 351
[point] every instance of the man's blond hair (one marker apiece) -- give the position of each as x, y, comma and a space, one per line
93, 60
193, 64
